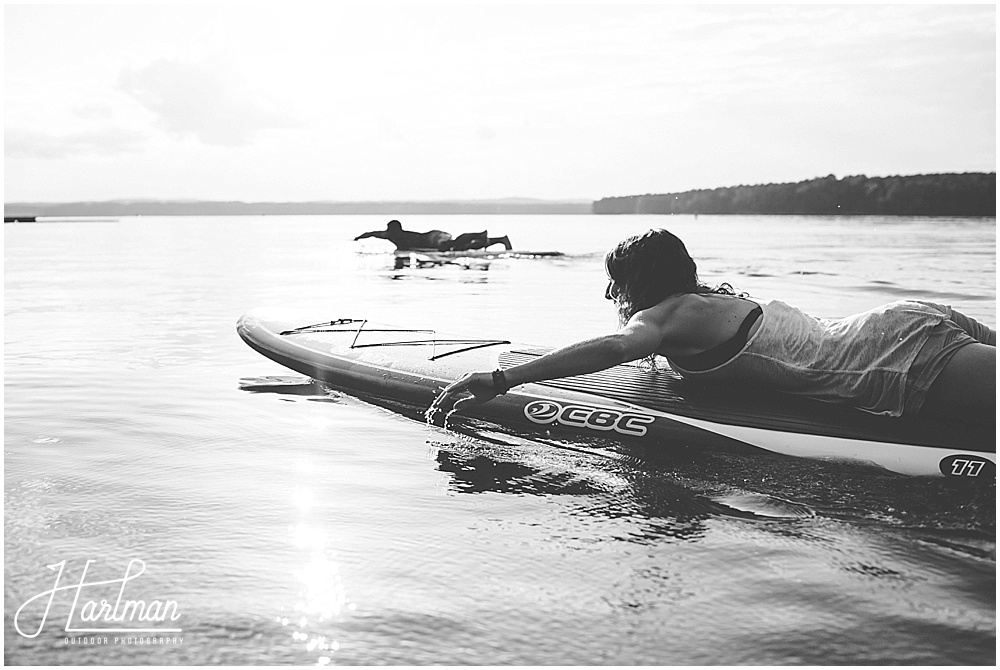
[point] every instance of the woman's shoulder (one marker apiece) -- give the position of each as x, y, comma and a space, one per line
682, 310
675, 304
700, 302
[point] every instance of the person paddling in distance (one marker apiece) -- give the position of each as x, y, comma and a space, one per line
906, 358
437, 240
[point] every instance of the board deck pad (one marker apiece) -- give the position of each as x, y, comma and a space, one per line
630, 401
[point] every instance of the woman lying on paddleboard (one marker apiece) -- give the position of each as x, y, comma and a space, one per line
901, 359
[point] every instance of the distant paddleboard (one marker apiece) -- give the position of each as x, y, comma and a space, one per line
627, 402
478, 259
480, 253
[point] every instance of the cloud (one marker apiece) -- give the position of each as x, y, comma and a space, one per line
99, 111
21, 143
210, 101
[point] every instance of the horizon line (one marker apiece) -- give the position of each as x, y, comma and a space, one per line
507, 199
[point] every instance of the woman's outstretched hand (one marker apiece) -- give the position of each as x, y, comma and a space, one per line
480, 387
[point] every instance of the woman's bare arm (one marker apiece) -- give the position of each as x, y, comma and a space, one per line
636, 340
641, 337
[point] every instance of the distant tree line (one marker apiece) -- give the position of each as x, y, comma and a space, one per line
966, 194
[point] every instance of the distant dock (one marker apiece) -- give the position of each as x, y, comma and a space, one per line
19, 219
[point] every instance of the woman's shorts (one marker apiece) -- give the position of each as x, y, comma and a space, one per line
947, 337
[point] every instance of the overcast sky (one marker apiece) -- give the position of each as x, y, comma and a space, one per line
377, 102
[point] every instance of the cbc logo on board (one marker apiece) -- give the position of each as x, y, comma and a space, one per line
583, 416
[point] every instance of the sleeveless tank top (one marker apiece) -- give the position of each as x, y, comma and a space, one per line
721, 353
862, 359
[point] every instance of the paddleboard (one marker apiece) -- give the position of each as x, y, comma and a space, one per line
474, 259
627, 402
478, 253
414, 261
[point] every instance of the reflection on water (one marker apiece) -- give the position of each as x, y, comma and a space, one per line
301, 386
479, 474
670, 490
322, 596
657, 513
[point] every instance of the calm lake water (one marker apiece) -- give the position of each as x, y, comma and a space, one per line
291, 524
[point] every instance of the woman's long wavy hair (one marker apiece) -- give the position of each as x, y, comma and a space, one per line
645, 269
